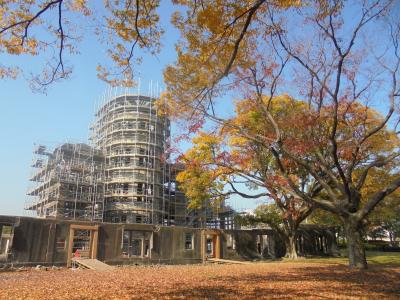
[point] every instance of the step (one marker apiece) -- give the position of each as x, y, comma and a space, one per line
92, 264
227, 261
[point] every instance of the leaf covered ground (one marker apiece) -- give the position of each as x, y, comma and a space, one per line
275, 280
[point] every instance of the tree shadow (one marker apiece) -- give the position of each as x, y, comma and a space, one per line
315, 282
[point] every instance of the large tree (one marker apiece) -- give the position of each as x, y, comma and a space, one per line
340, 58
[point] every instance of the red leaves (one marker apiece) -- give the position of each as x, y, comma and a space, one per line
195, 127
276, 180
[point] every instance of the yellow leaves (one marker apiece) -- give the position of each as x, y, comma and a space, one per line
213, 33
8, 72
198, 185
181, 177
162, 106
203, 148
238, 141
79, 6
32, 45
290, 3
207, 140
376, 179
207, 45
210, 17
132, 25
201, 179
17, 45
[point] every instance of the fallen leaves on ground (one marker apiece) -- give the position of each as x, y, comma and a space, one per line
276, 280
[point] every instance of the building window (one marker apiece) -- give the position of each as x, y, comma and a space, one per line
188, 241
135, 243
6, 233
136, 247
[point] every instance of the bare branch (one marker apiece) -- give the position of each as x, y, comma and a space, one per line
29, 21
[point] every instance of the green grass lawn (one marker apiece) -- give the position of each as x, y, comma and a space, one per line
392, 258
373, 258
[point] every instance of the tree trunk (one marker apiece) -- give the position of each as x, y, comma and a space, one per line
290, 243
355, 244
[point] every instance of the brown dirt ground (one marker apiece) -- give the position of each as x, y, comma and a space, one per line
275, 280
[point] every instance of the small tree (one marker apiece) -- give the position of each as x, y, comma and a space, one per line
284, 220
216, 168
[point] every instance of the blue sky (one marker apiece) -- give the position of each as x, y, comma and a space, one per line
63, 114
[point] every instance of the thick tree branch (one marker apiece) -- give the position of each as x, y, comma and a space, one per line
377, 197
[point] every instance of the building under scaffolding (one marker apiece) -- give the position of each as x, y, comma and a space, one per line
68, 183
126, 176
133, 139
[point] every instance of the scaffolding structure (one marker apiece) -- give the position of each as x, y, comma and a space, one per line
176, 203
133, 139
124, 176
68, 182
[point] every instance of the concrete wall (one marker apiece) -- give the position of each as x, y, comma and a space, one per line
37, 241
45, 242
167, 244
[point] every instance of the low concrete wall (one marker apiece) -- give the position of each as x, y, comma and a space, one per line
37, 241
45, 242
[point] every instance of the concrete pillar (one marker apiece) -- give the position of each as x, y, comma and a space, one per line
69, 249
271, 246
51, 243
217, 246
203, 246
94, 236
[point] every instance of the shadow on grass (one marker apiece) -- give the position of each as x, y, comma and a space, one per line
299, 282
383, 259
